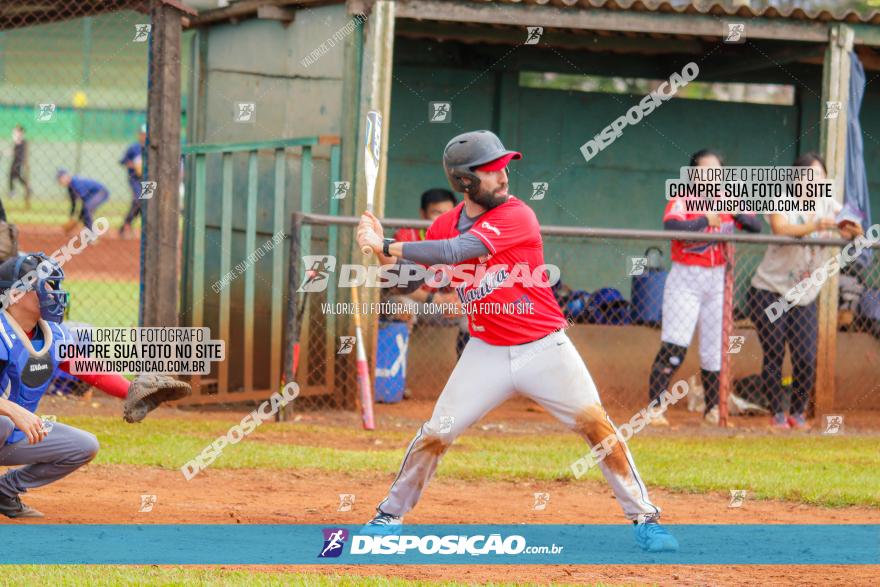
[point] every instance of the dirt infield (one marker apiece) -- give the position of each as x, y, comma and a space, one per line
109, 258
111, 494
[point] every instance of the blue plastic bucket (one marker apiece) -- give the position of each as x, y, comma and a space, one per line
393, 341
647, 297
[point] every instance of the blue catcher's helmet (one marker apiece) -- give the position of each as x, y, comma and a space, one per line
40, 273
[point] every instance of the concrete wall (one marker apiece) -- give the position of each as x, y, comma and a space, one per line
260, 61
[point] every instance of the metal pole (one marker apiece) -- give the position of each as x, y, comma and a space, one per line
600, 233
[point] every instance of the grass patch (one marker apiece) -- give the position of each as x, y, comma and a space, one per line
103, 303
828, 471
112, 575
56, 211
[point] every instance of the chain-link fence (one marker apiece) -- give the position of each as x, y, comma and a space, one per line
73, 98
639, 320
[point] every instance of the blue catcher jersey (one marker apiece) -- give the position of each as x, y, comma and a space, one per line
30, 364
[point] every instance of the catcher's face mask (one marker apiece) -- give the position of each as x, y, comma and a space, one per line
42, 274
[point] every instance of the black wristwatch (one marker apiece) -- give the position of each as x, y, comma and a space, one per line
386, 242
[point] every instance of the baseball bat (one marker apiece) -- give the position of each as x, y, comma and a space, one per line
363, 369
302, 308
372, 151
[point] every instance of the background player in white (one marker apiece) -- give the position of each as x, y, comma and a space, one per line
781, 270
525, 352
694, 292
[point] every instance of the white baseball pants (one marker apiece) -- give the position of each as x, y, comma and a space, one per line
551, 372
695, 294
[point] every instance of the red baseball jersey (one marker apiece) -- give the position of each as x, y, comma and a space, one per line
704, 254
407, 235
504, 307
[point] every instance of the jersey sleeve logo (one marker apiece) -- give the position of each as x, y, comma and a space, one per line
488, 226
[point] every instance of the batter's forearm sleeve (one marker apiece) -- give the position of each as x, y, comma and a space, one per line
694, 225
110, 383
447, 251
748, 222
433, 252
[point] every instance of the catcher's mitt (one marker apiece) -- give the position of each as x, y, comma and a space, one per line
148, 391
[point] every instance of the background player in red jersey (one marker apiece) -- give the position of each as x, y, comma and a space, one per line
694, 293
525, 351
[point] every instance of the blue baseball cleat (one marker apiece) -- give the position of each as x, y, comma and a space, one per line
652, 537
383, 524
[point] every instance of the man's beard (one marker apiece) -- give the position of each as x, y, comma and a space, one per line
488, 200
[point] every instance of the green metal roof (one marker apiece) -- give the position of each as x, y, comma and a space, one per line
724, 8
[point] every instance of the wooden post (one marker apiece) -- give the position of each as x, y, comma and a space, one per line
344, 387
835, 89
160, 215
375, 95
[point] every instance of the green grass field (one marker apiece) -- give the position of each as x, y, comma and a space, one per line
56, 211
103, 303
818, 470
829, 471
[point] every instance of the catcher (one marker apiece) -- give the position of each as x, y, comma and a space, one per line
30, 327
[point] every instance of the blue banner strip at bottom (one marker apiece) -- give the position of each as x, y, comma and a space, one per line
275, 544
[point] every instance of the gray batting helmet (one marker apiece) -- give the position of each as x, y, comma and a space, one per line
471, 150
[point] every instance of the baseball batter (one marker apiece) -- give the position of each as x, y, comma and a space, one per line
694, 292
524, 352
30, 328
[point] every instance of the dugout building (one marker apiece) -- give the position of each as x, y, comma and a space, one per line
278, 95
